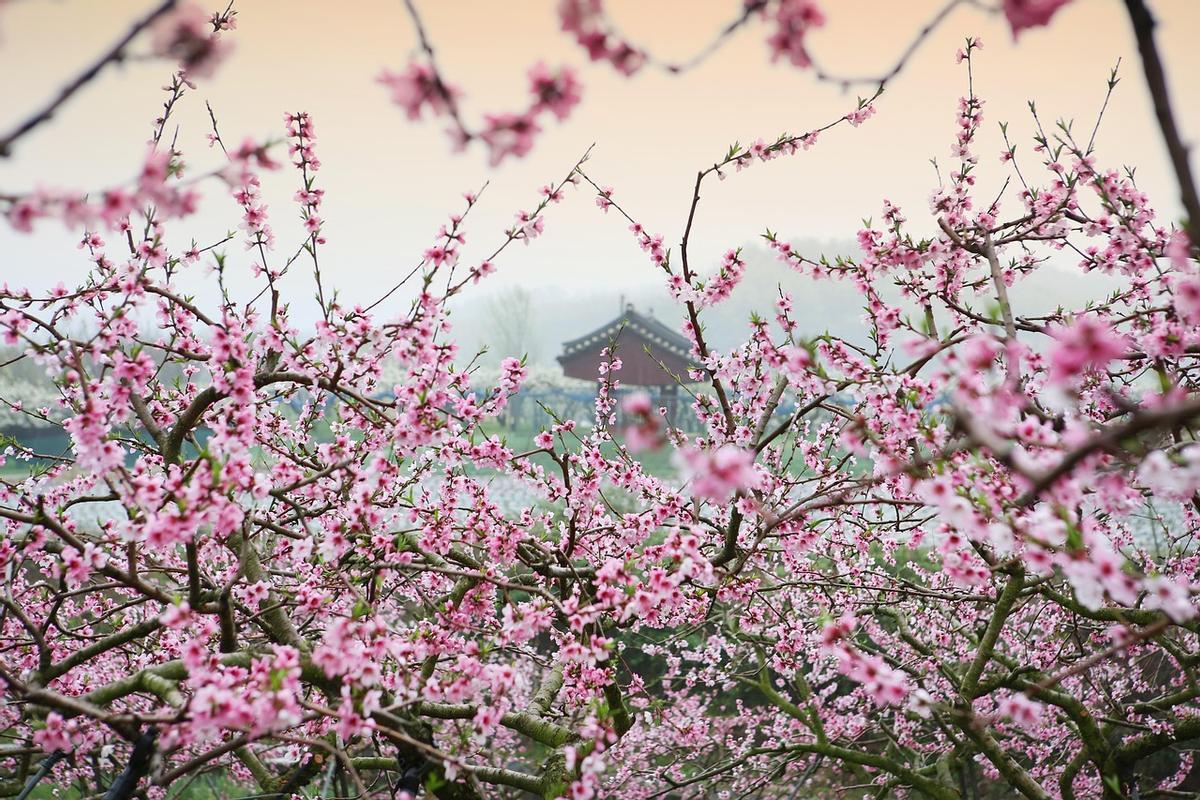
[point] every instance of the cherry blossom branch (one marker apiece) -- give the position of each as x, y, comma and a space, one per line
898, 66
1110, 439
113, 54
439, 85
1156, 81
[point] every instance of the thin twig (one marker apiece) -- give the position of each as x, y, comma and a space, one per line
114, 53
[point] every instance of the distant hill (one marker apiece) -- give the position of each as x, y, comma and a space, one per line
552, 314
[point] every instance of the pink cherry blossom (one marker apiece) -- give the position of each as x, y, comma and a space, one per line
1022, 14
55, 735
793, 19
558, 92
187, 36
716, 474
1024, 712
301, 539
418, 88
508, 135
1086, 343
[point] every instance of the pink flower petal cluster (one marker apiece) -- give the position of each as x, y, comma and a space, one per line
1022, 14
718, 473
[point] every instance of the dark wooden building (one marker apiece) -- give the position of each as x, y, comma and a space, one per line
652, 355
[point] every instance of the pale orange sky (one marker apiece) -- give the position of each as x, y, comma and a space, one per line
390, 183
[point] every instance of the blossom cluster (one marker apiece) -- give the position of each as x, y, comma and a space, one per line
955, 553
554, 91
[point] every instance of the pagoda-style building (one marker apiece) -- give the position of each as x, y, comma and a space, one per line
651, 355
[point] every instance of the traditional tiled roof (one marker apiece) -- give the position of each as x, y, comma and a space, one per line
646, 327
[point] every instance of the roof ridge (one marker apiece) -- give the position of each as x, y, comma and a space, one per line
651, 328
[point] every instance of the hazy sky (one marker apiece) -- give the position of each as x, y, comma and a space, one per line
390, 183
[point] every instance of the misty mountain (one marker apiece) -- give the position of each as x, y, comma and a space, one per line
511, 318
